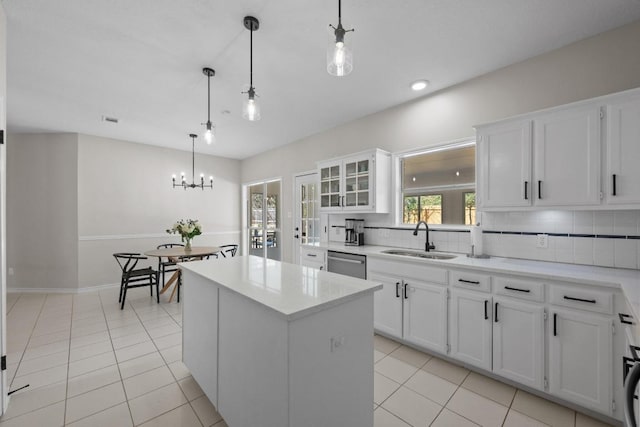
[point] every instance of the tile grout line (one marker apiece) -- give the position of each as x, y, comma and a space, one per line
66, 385
28, 340
114, 356
165, 364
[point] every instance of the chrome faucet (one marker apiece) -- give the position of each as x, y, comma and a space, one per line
427, 246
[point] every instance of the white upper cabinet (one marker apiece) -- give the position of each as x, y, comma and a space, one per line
582, 155
622, 176
358, 183
567, 147
504, 165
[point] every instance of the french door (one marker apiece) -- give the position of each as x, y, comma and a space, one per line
263, 220
306, 224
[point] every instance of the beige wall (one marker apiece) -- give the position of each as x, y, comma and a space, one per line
596, 66
42, 200
126, 202
74, 200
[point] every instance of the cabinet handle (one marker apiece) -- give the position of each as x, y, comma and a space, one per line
614, 185
406, 295
555, 324
526, 190
342, 201
623, 318
539, 189
486, 313
495, 313
509, 288
312, 255
351, 261
473, 282
397, 289
590, 301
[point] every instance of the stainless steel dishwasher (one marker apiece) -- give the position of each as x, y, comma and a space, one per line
348, 264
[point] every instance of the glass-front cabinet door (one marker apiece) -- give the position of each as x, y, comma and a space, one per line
330, 186
356, 183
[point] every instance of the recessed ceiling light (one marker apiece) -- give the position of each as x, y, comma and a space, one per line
419, 84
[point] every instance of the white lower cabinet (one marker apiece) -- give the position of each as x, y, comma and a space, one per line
313, 257
425, 315
498, 323
470, 327
499, 335
518, 341
387, 305
410, 309
580, 349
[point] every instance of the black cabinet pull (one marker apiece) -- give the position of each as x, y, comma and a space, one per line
555, 324
509, 288
613, 193
539, 189
406, 296
526, 190
495, 313
623, 318
486, 313
590, 301
397, 289
473, 282
627, 364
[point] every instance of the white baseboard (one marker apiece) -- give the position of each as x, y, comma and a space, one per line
11, 290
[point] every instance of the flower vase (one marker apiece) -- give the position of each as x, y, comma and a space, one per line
187, 245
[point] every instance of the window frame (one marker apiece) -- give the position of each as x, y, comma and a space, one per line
396, 185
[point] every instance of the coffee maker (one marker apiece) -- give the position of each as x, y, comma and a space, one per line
353, 232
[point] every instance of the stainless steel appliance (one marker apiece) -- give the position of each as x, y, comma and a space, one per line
354, 232
347, 264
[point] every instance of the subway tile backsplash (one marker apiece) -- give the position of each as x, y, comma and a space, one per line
603, 238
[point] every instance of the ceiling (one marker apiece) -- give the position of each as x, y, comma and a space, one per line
71, 62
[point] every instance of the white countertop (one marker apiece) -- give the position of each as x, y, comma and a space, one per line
290, 290
626, 279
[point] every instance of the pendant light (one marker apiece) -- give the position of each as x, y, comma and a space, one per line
339, 54
251, 108
209, 134
183, 182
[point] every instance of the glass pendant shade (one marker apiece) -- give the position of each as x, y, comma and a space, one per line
209, 135
251, 109
339, 52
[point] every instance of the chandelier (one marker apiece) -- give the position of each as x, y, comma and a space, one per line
183, 182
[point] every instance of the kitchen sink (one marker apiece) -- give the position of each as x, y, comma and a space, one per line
418, 254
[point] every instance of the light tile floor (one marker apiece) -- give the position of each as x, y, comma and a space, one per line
415, 389
90, 364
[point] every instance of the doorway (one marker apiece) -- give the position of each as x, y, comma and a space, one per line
263, 219
306, 223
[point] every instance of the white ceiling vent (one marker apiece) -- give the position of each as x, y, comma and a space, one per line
109, 119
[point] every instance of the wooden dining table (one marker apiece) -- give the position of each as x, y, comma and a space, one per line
179, 254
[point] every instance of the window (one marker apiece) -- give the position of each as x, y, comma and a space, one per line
426, 208
438, 185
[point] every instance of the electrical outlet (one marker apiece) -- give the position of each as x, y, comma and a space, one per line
542, 241
336, 342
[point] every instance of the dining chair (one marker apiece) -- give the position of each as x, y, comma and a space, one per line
167, 264
228, 250
133, 277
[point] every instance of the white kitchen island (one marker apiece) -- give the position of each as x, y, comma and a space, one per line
275, 344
